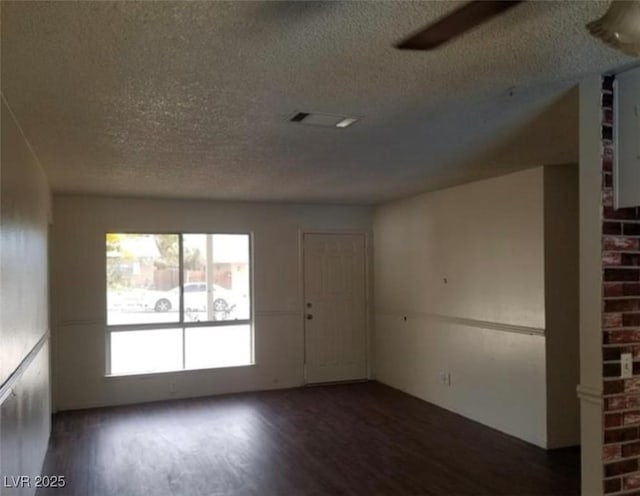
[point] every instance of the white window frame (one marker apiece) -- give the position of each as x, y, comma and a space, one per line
181, 324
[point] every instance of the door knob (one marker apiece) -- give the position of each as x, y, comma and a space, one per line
309, 317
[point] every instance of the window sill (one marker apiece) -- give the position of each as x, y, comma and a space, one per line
176, 371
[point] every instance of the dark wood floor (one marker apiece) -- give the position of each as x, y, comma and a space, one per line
359, 439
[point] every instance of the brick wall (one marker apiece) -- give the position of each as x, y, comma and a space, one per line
621, 323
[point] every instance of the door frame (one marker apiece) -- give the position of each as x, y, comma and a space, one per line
367, 297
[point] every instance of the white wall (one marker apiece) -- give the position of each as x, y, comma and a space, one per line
486, 240
79, 303
24, 353
466, 267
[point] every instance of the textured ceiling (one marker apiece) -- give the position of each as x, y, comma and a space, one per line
190, 99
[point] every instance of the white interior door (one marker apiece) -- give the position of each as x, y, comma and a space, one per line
335, 307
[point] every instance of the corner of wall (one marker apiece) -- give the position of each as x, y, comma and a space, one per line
590, 388
561, 211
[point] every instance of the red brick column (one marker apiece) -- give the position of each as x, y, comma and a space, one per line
621, 322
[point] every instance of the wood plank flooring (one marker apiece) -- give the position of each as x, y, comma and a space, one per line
358, 439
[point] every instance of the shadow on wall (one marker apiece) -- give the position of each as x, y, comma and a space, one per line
517, 130
557, 123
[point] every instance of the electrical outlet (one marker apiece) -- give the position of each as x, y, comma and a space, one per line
626, 365
172, 388
445, 378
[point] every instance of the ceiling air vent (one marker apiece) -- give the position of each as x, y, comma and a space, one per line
324, 120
